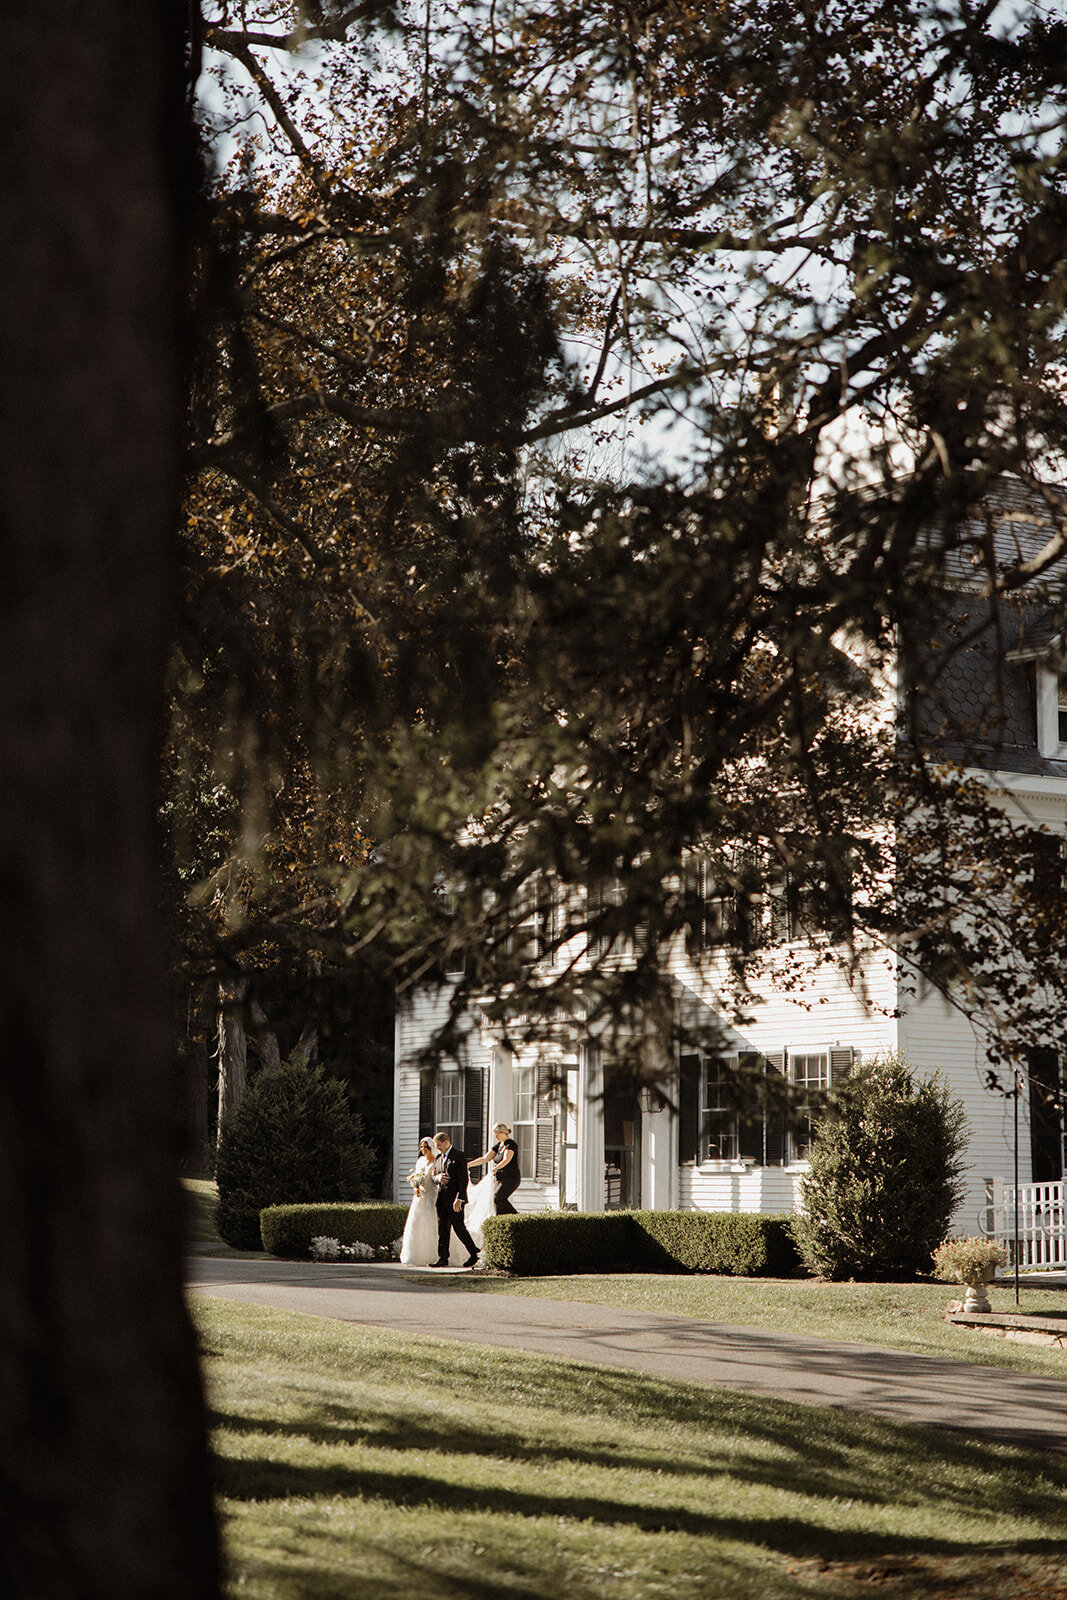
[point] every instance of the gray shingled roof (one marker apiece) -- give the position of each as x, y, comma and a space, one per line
1019, 522
982, 706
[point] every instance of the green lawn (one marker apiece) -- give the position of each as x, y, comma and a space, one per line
900, 1316
362, 1464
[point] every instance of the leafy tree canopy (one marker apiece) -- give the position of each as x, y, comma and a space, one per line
590, 402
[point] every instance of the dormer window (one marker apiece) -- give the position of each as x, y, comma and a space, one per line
1052, 710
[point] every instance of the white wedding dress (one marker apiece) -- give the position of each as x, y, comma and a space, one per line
479, 1206
418, 1247
419, 1244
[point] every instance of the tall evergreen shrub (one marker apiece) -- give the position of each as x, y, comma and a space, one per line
293, 1138
886, 1164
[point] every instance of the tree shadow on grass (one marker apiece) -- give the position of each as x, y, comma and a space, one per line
369, 1566
826, 1453
263, 1479
439, 1408
753, 1442
753, 1438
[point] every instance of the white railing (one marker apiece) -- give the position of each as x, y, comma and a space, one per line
1037, 1224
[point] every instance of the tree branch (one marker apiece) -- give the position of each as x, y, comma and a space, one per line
241, 52
562, 421
228, 39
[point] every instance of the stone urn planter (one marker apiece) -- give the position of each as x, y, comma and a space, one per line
972, 1262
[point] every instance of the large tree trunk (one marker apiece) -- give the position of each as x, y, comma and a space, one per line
198, 1063
265, 1039
104, 1484
233, 1046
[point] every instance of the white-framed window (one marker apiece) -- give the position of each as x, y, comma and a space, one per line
722, 1112
816, 903
534, 934
524, 1119
452, 1100
608, 935
725, 900
449, 1104
1052, 710
809, 1072
455, 964
534, 1119
759, 1107
720, 1121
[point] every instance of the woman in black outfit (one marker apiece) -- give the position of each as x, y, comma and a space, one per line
504, 1156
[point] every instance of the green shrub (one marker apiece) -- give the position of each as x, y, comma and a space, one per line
559, 1241
551, 1242
885, 1174
743, 1244
293, 1138
287, 1231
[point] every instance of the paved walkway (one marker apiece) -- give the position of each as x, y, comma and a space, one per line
892, 1384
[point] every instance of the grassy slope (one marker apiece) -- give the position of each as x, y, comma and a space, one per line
201, 1199
358, 1463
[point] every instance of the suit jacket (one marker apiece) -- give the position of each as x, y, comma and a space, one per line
453, 1179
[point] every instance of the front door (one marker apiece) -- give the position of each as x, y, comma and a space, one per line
622, 1153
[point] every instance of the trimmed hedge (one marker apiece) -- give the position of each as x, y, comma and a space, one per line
287, 1231
559, 1241
742, 1244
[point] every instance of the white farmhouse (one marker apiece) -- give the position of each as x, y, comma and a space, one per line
692, 1147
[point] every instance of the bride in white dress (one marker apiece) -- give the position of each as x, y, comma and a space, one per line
419, 1244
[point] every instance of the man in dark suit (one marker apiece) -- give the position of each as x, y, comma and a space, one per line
451, 1198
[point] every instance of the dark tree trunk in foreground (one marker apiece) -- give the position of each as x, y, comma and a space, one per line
103, 1474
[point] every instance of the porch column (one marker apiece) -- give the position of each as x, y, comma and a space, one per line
501, 1089
658, 1159
591, 1130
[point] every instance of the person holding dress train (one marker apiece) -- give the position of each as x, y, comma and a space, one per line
503, 1164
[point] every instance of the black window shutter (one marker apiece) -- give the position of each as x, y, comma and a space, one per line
473, 1130
688, 1107
750, 1112
1045, 861
1046, 1117
426, 1087
545, 1159
546, 1150
774, 1065
841, 1060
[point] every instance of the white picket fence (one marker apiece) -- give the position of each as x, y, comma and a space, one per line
1039, 1225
